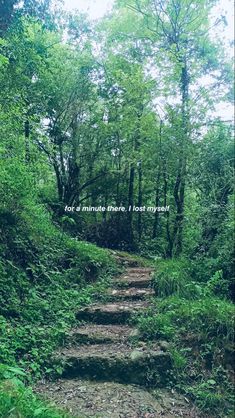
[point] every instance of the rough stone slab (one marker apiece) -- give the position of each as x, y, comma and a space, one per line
116, 362
141, 270
139, 277
98, 334
111, 313
132, 293
139, 281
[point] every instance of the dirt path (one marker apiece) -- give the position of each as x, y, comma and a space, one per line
106, 369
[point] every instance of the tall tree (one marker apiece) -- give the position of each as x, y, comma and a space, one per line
179, 29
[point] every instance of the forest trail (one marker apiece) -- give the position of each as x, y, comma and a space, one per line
106, 368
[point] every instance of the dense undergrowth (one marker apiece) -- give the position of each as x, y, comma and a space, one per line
18, 401
199, 326
45, 276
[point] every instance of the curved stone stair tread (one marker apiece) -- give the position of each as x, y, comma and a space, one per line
132, 281
96, 334
142, 270
134, 278
89, 399
111, 313
117, 362
131, 293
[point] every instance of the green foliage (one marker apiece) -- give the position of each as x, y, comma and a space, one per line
191, 279
45, 319
214, 394
198, 322
81, 126
206, 317
44, 275
217, 285
155, 327
18, 401
178, 359
207, 398
201, 336
173, 278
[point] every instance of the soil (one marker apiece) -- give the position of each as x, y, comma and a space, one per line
83, 398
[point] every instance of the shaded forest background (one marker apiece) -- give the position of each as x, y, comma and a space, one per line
116, 112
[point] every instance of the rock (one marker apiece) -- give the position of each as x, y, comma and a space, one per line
135, 277
137, 355
134, 333
98, 334
111, 313
164, 345
116, 362
131, 293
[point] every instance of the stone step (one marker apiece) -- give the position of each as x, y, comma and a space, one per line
126, 262
111, 313
99, 334
139, 281
140, 270
132, 293
116, 362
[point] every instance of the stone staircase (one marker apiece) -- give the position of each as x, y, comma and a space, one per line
105, 348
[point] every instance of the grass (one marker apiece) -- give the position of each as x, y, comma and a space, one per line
172, 277
206, 317
200, 328
17, 401
44, 318
155, 326
29, 341
45, 277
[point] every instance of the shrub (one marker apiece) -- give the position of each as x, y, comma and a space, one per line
213, 397
201, 333
172, 277
155, 327
206, 317
44, 274
17, 401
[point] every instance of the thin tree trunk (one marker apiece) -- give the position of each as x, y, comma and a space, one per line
179, 189
130, 205
140, 199
63, 174
26, 134
93, 192
59, 182
157, 199
165, 189
131, 190
118, 197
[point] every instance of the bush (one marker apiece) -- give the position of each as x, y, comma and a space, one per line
207, 317
17, 401
155, 327
173, 277
44, 275
214, 394
201, 335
